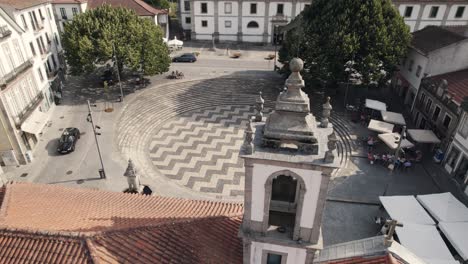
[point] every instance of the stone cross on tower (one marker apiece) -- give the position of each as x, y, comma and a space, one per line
132, 177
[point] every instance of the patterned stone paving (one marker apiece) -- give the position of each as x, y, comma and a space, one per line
200, 149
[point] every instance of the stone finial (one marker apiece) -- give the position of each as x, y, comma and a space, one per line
331, 144
132, 177
326, 112
443, 84
248, 146
259, 107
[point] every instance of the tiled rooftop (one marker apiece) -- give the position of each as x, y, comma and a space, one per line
22, 4
140, 7
434, 37
457, 83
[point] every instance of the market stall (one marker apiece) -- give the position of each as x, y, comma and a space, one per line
392, 140
376, 105
379, 126
394, 118
457, 234
423, 136
406, 209
444, 207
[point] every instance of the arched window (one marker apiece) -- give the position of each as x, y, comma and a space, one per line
252, 24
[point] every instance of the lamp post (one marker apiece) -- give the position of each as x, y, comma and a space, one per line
118, 73
275, 41
102, 172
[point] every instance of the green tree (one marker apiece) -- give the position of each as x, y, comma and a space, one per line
90, 38
368, 36
163, 4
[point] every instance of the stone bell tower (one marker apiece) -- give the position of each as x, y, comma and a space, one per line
288, 161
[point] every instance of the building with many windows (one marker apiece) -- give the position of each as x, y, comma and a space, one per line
420, 14
65, 10
457, 160
258, 21
23, 97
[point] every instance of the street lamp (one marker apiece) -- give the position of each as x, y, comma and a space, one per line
118, 73
275, 41
102, 172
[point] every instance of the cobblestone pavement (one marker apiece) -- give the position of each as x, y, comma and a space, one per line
187, 135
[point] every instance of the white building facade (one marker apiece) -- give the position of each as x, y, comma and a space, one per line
419, 14
255, 21
65, 10
241, 21
457, 160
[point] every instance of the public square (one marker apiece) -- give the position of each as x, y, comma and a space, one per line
184, 137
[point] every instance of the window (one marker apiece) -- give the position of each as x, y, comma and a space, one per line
43, 46
453, 157
74, 11
227, 8
7, 53
434, 11
410, 66
17, 47
428, 105
40, 15
279, 9
227, 24
418, 71
40, 46
253, 8
460, 11
54, 62
41, 77
273, 258
464, 127
25, 25
63, 12
35, 19
436, 113
408, 11
187, 5
204, 8
422, 98
188, 20
32, 20
306, 6
47, 37
56, 39
32, 48
284, 189
49, 14
447, 120
252, 24
204, 23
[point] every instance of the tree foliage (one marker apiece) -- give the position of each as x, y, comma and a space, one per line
90, 38
163, 4
369, 36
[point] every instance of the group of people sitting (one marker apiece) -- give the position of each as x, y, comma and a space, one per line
389, 160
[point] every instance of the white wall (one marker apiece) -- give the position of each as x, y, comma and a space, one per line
246, 10
204, 30
458, 137
295, 255
234, 9
440, 13
414, 14
448, 59
287, 8
197, 8
253, 31
232, 29
312, 181
411, 77
453, 11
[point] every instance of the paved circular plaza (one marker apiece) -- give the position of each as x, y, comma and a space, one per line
187, 135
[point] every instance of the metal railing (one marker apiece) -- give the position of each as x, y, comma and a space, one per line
27, 111
11, 76
4, 31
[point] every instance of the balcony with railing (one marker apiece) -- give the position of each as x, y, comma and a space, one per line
39, 27
11, 76
28, 110
279, 18
51, 75
4, 32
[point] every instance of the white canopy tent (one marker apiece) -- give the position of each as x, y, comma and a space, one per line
426, 242
444, 207
35, 123
406, 209
376, 105
394, 118
380, 126
391, 140
457, 234
175, 42
423, 136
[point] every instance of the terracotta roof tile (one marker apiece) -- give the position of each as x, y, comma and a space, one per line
457, 83
22, 4
59, 208
140, 7
68, 1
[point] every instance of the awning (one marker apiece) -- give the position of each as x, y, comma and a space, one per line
376, 105
35, 122
426, 242
175, 42
391, 140
457, 234
406, 209
380, 126
423, 136
394, 118
444, 207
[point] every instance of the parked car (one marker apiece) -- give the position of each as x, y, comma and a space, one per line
107, 76
67, 141
186, 57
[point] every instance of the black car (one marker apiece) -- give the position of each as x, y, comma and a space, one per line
108, 76
186, 57
68, 140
